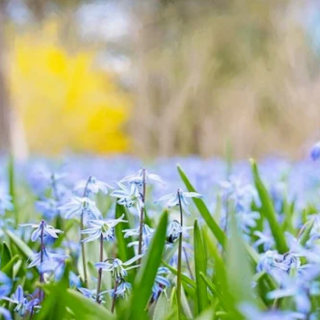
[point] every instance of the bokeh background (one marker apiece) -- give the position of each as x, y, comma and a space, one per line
159, 78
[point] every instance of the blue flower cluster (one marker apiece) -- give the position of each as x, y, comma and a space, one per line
82, 219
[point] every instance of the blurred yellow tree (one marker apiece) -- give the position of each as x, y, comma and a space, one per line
65, 103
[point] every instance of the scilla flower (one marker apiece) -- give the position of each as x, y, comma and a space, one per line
121, 290
104, 227
92, 186
23, 305
173, 199
117, 267
78, 206
139, 177
128, 196
42, 229
160, 283
92, 294
174, 230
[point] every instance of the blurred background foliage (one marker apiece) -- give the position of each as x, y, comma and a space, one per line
159, 77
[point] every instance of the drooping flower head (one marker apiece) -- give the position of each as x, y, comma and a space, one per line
174, 199
104, 227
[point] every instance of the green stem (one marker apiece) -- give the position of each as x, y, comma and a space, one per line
114, 296
142, 213
179, 260
83, 252
100, 270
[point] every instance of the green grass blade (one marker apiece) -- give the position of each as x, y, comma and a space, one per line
204, 211
200, 267
124, 252
12, 187
20, 244
5, 255
144, 281
267, 210
239, 273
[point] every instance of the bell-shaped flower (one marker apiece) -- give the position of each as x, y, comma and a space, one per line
92, 186
80, 206
174, 199
174, 230
122, 289
42, 229
128, 196
141, 175
23, 305
104, 227
117, 267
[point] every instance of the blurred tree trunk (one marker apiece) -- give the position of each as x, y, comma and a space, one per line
5, 117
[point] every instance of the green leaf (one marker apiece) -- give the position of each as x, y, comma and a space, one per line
144, 281
239, 273
162, 308
12, 187
305, 235
267, 210
204, 211
184, 278
124, 252
8, 268
20, 244
84, 308
200, 266
5, 255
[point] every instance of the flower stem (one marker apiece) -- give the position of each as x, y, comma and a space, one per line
142, 212
114, 296
179, 260
42, 247
100, 270
83, 252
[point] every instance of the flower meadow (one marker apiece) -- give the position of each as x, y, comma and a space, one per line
115, 238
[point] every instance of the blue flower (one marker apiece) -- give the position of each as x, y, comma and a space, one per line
117, 267
104, 227
174, 230
270, 261
5, 285
147, 234
48, 208
299, 287
78, 206
173, 199
122, 289
49, 260
128, 196
160, 282
315, 152
5, 201
251, 312
138, 178
5, 313
92, 294
23, 305
42, 229
92, 186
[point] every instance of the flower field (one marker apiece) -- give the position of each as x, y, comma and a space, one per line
115, 238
